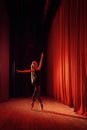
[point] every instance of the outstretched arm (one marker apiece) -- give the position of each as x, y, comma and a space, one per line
24, 71
41, 61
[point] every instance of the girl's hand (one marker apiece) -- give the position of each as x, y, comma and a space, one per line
42, 54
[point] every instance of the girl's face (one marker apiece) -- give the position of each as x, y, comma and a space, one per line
34, 64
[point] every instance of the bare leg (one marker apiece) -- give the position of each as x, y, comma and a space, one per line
34, 97
39, 96
34, 94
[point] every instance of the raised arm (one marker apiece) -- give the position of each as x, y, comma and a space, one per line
24, 71
41, 61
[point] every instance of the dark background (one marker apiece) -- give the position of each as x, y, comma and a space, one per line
29, 29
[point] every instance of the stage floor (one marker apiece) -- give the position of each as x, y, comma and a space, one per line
16, 114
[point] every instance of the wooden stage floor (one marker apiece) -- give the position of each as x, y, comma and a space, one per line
16, 114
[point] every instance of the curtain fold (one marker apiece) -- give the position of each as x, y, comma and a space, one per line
4, 53
67, 55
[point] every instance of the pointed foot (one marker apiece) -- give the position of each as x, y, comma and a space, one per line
32, 105
41, 106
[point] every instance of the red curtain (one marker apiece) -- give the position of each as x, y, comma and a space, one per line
4, 53
67, 55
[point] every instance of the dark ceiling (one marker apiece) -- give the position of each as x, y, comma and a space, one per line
30, 21
21, 10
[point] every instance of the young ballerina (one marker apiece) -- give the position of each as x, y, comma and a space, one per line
35, 79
